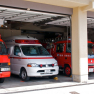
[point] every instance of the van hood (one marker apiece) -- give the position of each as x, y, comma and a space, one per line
42, 60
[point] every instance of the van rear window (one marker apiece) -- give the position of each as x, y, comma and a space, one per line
30, 50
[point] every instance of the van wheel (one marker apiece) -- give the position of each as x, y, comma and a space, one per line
24, 76
67, 71
2, 80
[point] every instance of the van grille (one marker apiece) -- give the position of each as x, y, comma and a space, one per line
52, 70
47, 65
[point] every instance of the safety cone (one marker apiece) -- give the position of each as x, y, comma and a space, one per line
55, 78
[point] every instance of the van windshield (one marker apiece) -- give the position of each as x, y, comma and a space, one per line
33, 50
3, 50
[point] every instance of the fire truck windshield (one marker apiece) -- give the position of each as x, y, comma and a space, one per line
34, 50
3, 50
68, 48
90, 49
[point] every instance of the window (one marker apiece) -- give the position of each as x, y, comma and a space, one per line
68, 48
3, 50
59, 48
33, 50
16, 50
8, 50
90, 49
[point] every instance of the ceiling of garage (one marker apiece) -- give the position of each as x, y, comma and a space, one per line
61, 22
38, 18
90, 22
26, 15
66, 22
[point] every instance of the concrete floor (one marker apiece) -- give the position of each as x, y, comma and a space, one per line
15, 81
91, 76
79, 89
14, 84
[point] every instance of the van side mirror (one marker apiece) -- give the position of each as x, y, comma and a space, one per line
19, 54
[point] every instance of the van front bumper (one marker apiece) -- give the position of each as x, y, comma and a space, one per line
38, 72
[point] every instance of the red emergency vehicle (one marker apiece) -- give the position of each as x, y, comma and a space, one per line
4, 62
61, 51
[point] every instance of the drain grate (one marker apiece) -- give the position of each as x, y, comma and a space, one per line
73, 92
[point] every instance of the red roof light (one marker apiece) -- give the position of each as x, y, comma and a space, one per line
27, 41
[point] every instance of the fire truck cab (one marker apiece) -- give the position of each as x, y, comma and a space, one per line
29, 58
61, 51
4, 62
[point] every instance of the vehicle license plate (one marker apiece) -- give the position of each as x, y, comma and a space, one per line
91, 70
47, 71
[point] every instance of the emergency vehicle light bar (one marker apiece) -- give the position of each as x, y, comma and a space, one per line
27, 41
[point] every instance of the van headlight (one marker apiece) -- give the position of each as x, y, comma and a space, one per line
55, 64
32, 65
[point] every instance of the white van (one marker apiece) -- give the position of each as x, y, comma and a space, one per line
29, 58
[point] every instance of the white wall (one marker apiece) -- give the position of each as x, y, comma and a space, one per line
7, 32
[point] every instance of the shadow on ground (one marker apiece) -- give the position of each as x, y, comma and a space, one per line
15, 81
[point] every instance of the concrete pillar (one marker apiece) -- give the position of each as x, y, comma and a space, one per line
79, 46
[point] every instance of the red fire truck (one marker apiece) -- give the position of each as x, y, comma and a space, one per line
4, 62
61, 51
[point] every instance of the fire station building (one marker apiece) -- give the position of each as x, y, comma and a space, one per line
80, 13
